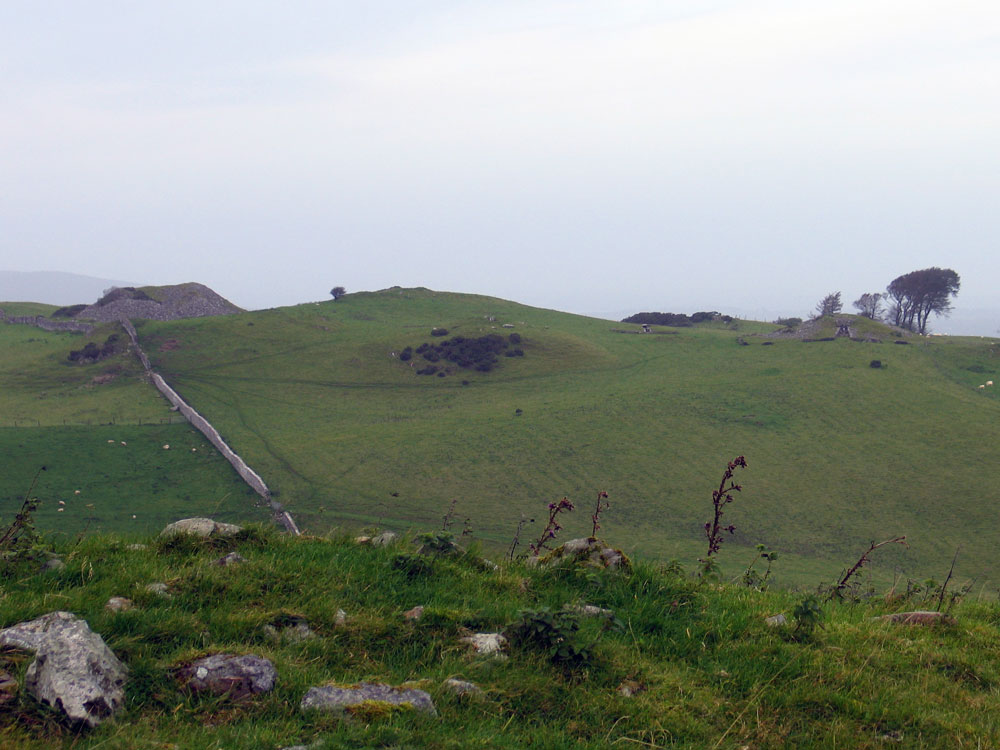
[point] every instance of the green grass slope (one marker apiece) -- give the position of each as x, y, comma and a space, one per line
100, 430
706, 669
318, 401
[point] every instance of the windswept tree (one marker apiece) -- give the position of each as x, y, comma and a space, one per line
869, 304
337, 292
915, 295
829, 305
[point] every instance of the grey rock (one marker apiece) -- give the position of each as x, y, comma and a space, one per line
202, 527
777, 620
414, 614
54, 564
160, 589
589, 610
338, 699
384, 539
488, 644
231, 559
74, 671
118, 604
630, 688
340, 618
295, 632
136, 547
461, 687
589, 551
221, 674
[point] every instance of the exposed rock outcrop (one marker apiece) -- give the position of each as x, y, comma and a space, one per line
189, 300
74, 672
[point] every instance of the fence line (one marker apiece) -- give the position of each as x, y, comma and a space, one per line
251, 477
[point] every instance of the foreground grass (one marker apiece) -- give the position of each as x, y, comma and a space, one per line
713, 674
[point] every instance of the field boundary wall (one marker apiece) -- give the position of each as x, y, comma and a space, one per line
251, 477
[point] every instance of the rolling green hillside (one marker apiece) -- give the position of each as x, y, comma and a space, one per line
840, 453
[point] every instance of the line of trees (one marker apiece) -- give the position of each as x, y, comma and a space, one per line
907, 302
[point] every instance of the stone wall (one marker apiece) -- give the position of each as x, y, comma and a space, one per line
251, 477
49, 325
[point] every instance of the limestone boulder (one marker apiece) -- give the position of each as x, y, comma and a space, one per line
202, 527
589, 551
74, 672
340, 699
225, 674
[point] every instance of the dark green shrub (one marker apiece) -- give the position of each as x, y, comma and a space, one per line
412, 566
554, 634
439, 332
69, 311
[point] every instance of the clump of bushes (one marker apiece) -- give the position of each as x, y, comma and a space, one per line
92, 352
788, 322
480, 354
68, 312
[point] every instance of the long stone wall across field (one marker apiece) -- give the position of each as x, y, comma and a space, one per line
251, 477
49, 325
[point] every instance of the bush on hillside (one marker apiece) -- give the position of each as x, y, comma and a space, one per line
92, 352
116, 293
480, 354
69, 311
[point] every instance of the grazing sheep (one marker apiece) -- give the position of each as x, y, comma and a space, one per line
981, 387
989, 382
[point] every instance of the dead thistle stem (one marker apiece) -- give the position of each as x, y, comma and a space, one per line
720, 498
602, 505
552, 527
944, 586
23, 519
862, 561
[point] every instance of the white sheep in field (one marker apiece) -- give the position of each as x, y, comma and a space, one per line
981, 387
989, 382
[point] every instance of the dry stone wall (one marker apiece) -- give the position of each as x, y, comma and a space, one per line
49, 325
251, 477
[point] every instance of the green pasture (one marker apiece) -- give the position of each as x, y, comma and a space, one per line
73, 419
839, 453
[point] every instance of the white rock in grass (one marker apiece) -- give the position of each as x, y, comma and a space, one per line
488, 644
203, 527
74, 672
461, 687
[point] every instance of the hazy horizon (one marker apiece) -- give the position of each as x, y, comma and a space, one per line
588, 156
62, 288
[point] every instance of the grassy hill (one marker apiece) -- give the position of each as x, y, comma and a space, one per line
318, 400
704, 669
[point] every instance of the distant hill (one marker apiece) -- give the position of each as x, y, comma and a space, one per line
53, 287
847, 439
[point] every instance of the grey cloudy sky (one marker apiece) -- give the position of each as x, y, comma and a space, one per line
595, 156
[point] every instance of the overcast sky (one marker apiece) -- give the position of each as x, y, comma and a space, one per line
594, 156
